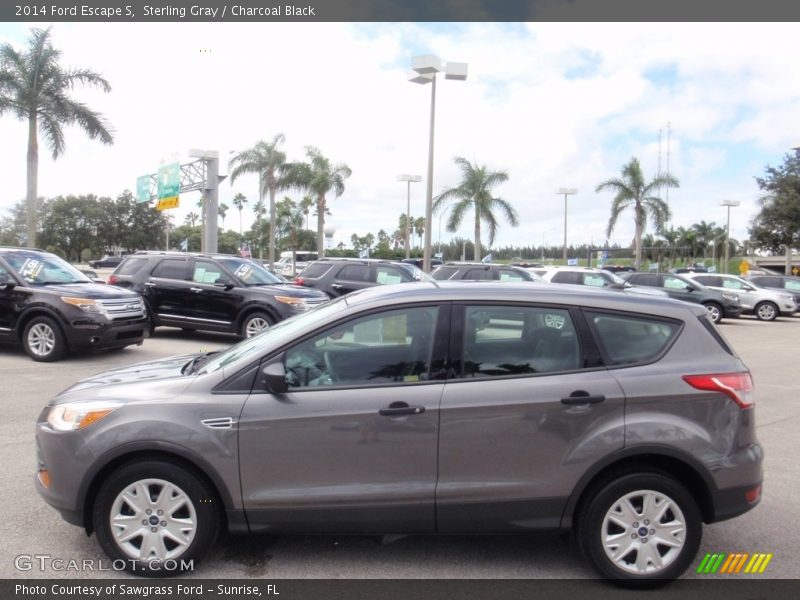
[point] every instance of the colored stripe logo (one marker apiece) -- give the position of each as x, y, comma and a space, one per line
734, 563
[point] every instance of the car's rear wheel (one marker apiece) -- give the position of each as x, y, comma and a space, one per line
766, 311
43, 340
255, 323
641, 529
714, 311
156, 517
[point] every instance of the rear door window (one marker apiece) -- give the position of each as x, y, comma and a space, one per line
172, 269
386, 275
354, 273
627, 339
130, 266
315, 270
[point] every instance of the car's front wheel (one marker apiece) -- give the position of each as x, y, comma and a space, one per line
255, 323
43, 339
766, 311
641, 529
155, 517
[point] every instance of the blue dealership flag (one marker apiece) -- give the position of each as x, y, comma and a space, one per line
185, 245
487, 258
364, 253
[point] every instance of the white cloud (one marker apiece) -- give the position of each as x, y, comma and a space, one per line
554, 104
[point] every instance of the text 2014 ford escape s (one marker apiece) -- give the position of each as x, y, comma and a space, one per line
501, 408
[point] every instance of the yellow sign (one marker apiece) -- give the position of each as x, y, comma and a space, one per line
166, 203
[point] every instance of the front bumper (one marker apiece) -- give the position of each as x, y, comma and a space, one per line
100, 333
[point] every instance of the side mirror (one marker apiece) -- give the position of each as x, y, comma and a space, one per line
224, 283
689, 288
274, 377
7, 285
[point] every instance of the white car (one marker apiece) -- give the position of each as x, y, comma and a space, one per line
594, 278
765, 304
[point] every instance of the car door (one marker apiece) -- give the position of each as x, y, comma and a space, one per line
167, 293
680, 289
527, 411
351, 278
11, 303
214, 297
352, 445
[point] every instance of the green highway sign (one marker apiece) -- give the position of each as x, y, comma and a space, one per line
143, 188
169, 181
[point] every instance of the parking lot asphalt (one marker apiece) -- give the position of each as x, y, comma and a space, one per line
34, 529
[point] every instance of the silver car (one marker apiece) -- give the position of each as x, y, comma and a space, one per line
764, 303
421, 408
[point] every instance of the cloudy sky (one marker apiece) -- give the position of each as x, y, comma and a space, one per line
553, 104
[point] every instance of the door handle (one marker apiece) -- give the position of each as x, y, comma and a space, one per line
196, 290
149, 284
582, 397
398, 409
336, 286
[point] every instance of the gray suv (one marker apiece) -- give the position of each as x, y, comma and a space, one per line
501, 408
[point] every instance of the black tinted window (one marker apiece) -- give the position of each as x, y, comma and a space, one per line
444, 272
172, 269
645, 279
566, 277
130, 266
354, 273
628, 339
479, 273
315, 270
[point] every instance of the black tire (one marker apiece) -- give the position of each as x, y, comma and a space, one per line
199, 506
253, 322
715, 312
43, 339
766, 311
632, 569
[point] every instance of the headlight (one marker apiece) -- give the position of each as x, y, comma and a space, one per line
732, 297
69, 417
85, 304
293, 301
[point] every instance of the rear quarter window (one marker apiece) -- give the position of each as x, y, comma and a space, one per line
628, 339
315, 270
130, 266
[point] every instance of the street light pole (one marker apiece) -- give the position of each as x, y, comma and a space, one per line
408, 179
728, 203
425, 69
566, 192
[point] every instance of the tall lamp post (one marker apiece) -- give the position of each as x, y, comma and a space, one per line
566, 192
408, 179
425, 69
728, 203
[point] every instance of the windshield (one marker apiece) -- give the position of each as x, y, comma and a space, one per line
37, 268
250, 272
276, 335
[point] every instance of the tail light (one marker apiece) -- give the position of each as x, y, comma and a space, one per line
737, 386
113, 279
299, 281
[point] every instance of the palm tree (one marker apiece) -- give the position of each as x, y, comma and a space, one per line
239, 200
318, 177
419, 227
191, 219
222, 210
35, 87
265, 160
259, 210
632, 192
474, 192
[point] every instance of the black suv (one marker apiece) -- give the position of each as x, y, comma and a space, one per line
718, 304
50, 307
340, 276
212, 292
476, 271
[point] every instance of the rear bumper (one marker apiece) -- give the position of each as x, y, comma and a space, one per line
732, 502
